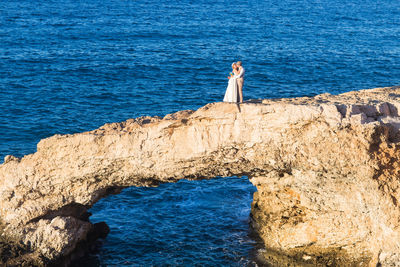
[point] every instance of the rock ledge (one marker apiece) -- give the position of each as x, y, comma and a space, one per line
326, 169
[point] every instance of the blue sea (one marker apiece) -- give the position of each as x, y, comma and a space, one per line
71, 66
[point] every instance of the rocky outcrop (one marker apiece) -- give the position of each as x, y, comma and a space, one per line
326, 170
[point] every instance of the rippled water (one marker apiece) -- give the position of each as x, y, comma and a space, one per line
70, 66
188, 223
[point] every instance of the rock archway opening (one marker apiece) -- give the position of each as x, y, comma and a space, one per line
188, 222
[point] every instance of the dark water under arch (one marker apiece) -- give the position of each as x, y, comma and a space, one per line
180, 224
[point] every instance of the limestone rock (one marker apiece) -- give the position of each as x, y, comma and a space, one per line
326, 169
55, 237
9, 158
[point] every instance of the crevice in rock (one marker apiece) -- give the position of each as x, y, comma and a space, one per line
73, 209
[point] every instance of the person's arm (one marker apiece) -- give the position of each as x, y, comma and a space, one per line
241, 73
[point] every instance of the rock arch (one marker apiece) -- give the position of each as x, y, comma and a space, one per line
325, 168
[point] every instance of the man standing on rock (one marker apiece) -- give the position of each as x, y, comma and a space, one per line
240, 80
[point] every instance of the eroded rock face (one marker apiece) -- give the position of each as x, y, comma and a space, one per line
326, 169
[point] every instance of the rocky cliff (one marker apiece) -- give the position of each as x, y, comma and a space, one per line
326, 170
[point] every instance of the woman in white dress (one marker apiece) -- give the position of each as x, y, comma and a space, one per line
231, 94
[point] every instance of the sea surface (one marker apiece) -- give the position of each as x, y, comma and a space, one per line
70, 66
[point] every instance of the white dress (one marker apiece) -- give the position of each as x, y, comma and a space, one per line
231, 94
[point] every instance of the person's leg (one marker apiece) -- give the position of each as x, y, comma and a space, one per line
240, 88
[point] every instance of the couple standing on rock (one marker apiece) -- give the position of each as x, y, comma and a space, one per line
234, 91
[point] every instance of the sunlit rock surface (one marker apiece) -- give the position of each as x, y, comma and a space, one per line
326, 169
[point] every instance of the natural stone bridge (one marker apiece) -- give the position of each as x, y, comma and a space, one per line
326, 169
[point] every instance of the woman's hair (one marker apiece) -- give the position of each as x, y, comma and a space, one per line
234, 63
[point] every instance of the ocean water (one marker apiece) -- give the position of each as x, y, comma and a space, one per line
71, 66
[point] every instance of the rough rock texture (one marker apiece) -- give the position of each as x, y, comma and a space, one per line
326, 169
